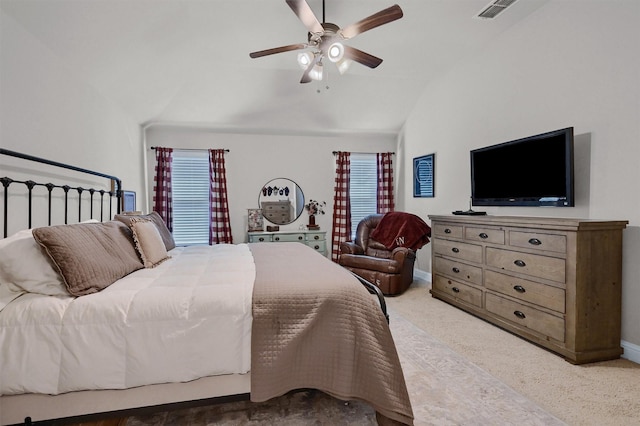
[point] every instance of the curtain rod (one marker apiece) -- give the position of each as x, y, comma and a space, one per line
189, 149
392, 153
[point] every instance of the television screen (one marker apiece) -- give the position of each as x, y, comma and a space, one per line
533, 171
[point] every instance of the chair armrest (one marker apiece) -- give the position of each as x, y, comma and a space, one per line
349, 247
388, 266
399, 254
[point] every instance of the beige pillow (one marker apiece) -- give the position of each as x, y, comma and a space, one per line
155, 217
148, 242
90, 256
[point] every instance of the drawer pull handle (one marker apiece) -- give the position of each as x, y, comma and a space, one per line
535, 241
316, 237
455, 250
483, 235
447, 231
520, 263
519, 314
519, 288
277, 238
456, 270
316, 247
300, 238
261, 239
455, 289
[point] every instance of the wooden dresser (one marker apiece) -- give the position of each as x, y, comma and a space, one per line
314, 239
553, 281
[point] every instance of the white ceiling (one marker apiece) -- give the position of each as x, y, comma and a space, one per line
187, 61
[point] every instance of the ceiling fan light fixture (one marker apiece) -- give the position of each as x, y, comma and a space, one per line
317, 72
304, 59
343, 65
325, 40
335, 53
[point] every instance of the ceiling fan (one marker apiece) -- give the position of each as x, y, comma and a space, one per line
325, 41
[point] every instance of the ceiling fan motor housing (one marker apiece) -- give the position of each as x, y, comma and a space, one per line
330, 31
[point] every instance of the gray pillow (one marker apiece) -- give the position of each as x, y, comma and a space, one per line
90, 256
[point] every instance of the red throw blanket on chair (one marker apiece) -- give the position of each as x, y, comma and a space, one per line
399, 229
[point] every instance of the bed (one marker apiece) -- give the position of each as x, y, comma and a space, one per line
100, 315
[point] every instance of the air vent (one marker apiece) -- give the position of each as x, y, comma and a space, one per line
494, 8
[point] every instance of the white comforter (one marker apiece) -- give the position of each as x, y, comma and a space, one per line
189, 317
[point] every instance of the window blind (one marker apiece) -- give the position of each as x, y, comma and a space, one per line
363, 190
190, 194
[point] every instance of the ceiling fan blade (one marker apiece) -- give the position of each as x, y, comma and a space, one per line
305, 14
385, 16
306, 76
280, 49
362, 57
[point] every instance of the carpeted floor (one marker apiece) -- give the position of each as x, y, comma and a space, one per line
597, 394
459, 370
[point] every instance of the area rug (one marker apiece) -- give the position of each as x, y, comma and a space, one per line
444, 387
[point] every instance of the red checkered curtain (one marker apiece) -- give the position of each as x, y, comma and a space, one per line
219, 223
385, 182
162, 186
341, 204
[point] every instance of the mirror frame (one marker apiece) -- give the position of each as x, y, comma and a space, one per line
295, 195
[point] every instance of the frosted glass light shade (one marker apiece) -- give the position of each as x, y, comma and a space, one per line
304, 59
316, 72
335, 52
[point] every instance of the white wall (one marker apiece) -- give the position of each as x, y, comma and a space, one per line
49, 111
255, 159
572, 63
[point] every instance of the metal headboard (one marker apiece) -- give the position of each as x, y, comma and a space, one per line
30, 184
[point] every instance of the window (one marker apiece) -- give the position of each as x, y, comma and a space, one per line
363, 188
190, 194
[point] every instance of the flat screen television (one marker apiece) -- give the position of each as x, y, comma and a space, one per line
532, 171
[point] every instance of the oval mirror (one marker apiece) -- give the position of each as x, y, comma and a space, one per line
281, 201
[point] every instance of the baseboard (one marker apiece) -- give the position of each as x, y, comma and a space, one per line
631, 351
423, 275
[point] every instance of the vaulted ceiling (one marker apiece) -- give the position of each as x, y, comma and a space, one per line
187, 61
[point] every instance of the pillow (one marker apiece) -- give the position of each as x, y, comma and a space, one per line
148, 242
24, 264
90, 256
155, 217
9, 292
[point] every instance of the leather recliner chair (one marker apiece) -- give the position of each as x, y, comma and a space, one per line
390, 270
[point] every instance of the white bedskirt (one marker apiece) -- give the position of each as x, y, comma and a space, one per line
187, 318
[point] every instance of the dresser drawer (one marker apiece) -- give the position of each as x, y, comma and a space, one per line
458, 250
259, 238
550, 268
320, 236
288, 238
458, 270
320, 246
450, 231
280, 218
528, 291
458, 291
533, 240
526, 316
275, 207
487, 235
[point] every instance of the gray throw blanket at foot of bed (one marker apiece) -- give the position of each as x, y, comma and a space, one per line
315, 326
